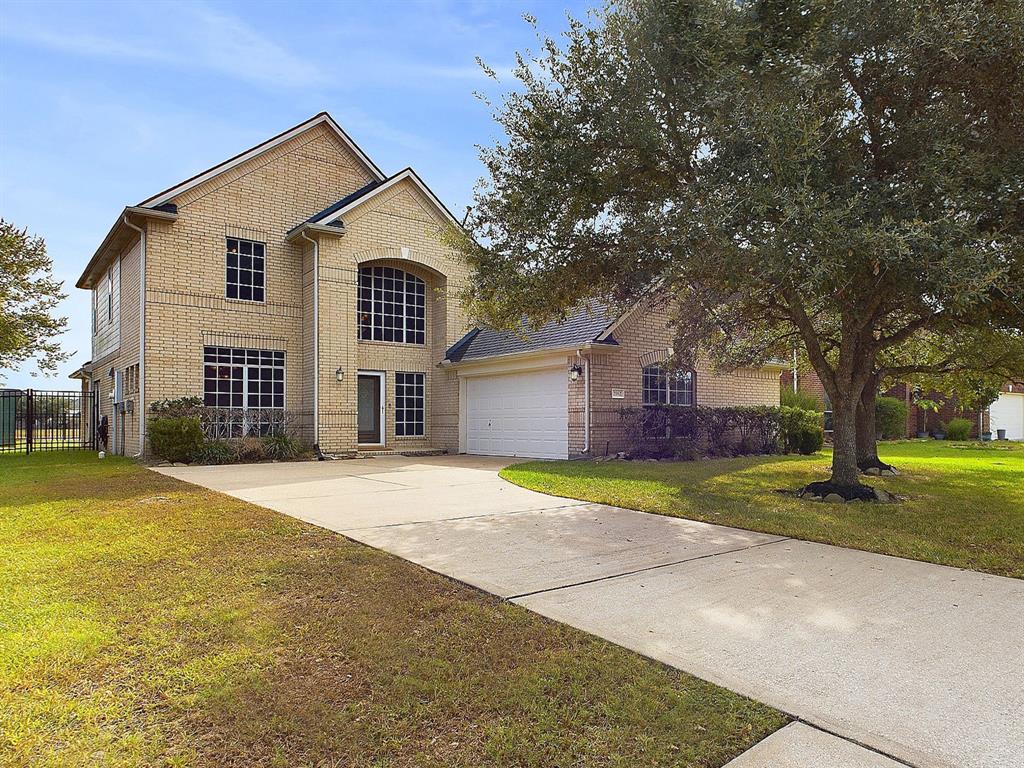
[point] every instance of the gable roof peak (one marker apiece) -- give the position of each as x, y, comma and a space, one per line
321, 118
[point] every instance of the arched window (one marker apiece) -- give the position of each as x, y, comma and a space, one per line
661, 387
392, 305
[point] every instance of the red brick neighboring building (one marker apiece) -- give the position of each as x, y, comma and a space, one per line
919, 420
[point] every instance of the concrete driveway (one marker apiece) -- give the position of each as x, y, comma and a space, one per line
914, 661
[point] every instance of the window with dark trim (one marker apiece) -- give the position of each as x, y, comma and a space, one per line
661, 387
246, 270
392, 305
410, 404
243, 378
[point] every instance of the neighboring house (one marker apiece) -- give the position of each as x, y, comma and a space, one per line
1006, 413
297, 278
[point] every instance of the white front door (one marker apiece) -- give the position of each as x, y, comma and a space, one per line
519, 414
1008, 413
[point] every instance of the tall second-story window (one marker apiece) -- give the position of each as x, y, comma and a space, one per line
392, 305
246, 270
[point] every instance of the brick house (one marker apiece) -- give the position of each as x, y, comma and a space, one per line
296, 277
1006, 413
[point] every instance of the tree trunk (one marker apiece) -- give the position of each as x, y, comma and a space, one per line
845, 472
867, 434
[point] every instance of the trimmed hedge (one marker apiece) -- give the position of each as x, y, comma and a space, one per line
175, 438
890, 417
803, 431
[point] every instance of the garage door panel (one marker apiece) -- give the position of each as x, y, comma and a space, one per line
1008, 413
524, 414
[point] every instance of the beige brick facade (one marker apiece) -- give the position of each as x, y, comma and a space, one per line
262, 199
268, 196
645, 337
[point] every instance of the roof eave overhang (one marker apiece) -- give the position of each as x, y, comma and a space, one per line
314, 229
387, 184
117, 232
529, 354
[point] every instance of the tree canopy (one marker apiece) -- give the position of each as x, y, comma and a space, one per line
843, 174
28, 297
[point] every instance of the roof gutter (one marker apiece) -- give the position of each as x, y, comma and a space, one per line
567, 349
316, 337
98, 256
301, 231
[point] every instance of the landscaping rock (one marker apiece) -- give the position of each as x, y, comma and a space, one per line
889, 472
882, 496
834, 498
873, 471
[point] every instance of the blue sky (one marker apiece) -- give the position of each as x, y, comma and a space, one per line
107, 103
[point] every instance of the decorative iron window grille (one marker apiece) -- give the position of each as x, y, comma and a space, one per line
238, 381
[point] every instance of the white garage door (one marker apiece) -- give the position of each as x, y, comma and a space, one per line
520, 414
1008, 413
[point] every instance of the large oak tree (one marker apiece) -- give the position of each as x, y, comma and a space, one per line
845, 174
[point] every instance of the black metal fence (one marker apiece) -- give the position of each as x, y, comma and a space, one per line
34, 420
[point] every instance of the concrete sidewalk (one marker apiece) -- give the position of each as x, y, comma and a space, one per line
917, 661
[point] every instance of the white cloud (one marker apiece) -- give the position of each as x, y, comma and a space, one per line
194, 37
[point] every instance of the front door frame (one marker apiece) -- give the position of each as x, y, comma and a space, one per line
382, 416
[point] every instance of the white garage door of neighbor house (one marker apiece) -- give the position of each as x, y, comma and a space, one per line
1008, 413
519, 414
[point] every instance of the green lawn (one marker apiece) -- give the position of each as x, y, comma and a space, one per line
144, 621
963, 502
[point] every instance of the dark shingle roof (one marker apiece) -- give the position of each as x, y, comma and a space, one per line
584, 325
338, 205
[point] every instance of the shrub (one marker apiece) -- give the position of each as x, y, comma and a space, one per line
802, 430
178, 407
805, 401
175, 438
890, 417
214, 452
684, 432
282, 447
249, 449
958, 429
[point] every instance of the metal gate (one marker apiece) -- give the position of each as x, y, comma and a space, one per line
34, 420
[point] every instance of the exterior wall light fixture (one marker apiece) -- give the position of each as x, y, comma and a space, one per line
340, 374
574, 371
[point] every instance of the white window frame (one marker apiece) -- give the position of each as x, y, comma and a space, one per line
237, 283
371, 325
278, 360
669, 391
402, 390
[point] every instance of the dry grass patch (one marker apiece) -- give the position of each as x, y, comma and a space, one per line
144, 621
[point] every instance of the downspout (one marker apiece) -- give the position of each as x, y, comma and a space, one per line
586, 403
142, 334
316, 339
